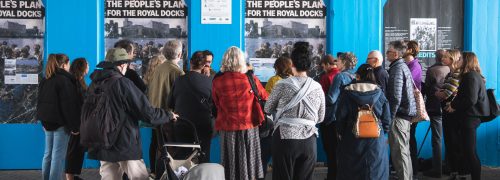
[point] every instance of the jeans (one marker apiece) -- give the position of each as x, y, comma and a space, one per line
56, 144
437, 134
399, 141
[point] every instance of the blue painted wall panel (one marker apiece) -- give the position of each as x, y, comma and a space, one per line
483, 25
356, 27
75, 28
216, 38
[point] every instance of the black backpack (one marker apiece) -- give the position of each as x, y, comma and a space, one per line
494, 107
99, 126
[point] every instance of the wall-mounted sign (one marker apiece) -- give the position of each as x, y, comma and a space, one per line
216, 12
149, 24
22, 30
273, 26
433, 24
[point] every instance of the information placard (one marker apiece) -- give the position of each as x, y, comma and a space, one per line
273, 26
216, 12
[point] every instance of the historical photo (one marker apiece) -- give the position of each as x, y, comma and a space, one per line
274, 37
424, 30
148, 34
21, 28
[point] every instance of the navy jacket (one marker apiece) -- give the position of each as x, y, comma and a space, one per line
400, 91
382, 77
362, 158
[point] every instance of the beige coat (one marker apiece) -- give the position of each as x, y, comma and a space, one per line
161, 84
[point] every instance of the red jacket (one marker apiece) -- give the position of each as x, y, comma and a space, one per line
234, 99
327, 78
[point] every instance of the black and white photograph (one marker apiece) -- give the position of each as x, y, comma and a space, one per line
10, 64
9, 72
21, 28
26, 66
274, 37
424, 31
148, 35
272, 30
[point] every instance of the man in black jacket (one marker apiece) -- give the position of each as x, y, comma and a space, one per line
127, 102
434, 81
375, 60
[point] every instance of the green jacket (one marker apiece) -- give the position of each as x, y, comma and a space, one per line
161, 84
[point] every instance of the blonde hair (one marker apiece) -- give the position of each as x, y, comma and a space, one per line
154, 62
454, 56
53, 62
234, 61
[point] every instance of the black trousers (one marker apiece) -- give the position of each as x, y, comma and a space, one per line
205, 143
74, 156
470, 160
329, 138
293, 159
451, 132
153, 149
266, 152
414, 148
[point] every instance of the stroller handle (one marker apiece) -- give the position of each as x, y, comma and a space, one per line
181, 119
183, 145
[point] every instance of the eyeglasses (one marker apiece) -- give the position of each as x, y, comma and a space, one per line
389, 52
370, 58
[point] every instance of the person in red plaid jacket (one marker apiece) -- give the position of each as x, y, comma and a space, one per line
237, 118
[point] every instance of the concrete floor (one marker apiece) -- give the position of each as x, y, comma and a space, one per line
93, 174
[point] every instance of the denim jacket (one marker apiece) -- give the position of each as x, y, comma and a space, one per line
340, 81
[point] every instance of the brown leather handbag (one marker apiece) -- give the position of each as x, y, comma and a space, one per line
366, 125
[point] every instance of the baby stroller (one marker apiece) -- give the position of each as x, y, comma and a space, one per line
184, 163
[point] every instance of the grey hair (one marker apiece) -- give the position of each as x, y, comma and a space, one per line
378, 55
400, 46
234, 61
172, 49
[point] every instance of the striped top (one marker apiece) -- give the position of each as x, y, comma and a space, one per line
451, 84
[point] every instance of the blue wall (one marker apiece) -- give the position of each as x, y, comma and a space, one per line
482, 37
75, 28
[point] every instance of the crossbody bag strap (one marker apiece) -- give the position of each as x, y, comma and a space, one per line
197, 94
255, 89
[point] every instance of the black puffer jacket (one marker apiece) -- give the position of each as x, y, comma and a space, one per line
132, 105
58, 102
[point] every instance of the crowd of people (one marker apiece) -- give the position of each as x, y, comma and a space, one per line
103, 119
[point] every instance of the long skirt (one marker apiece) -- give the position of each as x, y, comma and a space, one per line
240, 152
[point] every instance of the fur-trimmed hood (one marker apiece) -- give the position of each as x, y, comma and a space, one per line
363, 93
